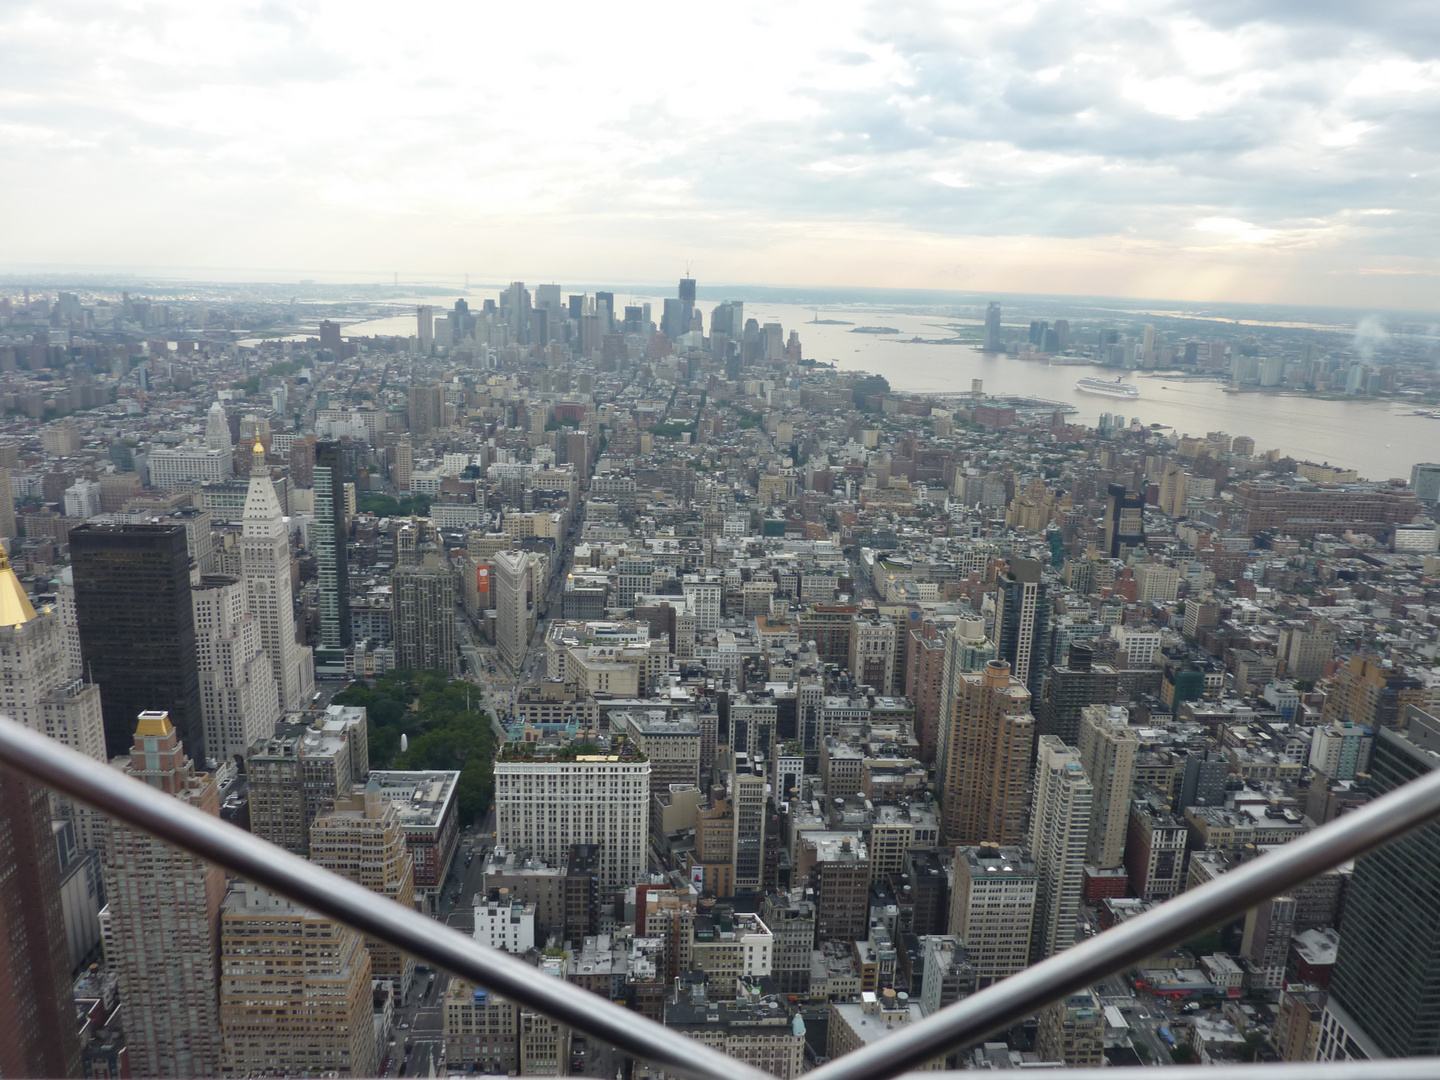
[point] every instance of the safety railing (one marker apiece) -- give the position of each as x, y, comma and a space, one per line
953, 1028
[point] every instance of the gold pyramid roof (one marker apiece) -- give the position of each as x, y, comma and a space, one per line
15, 606
154, 723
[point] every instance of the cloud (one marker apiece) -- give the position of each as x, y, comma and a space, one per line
1237, 131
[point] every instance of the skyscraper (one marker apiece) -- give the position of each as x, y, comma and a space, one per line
300, 769
1107, 753
1022, 619
1424, 481
747, 801
363, 839
37, 686
295, 995
992, 327
966, 649
1174, 483
672, 321
1387, 971
137, 628
514, 585
265, 570
515, 308
992, 908
37, 1009
985, 756
1066, 690
422, 616
7, 506
426, 409
162, 922
404, 464
687, 303
425, 328
548, 298
330, 535
605, 308
238, 695
330, 339
546, 802
1059, 828
1124, 521
217, 429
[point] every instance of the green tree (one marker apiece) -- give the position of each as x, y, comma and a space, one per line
1182, 1054
389, 506
444, 724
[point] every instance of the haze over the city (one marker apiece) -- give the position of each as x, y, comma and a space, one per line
1225, 151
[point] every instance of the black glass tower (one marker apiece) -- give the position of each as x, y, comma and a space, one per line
1387, 971
1124, 521
1022, 619
137, 628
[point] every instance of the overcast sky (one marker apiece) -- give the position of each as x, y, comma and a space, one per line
1279, 150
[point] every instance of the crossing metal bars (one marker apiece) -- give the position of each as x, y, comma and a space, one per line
962, 1024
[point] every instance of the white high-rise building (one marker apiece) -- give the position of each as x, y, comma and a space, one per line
217, 429
425, 327
39, 689
82, 499
515, 599
265, 570
171, 467
545, 804
705, 597
238, 696
36, 686
69, 620
1059, 830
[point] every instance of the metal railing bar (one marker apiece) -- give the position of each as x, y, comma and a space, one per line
1026, 992
1387, 1069
134, 802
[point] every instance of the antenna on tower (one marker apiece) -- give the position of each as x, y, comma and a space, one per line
688, 264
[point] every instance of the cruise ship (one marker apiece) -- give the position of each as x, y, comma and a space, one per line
1109, 389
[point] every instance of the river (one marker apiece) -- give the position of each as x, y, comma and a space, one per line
1379, 438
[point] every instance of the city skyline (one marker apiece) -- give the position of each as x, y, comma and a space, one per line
1226, 152
642, 605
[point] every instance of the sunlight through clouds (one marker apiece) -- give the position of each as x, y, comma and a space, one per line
448, 134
